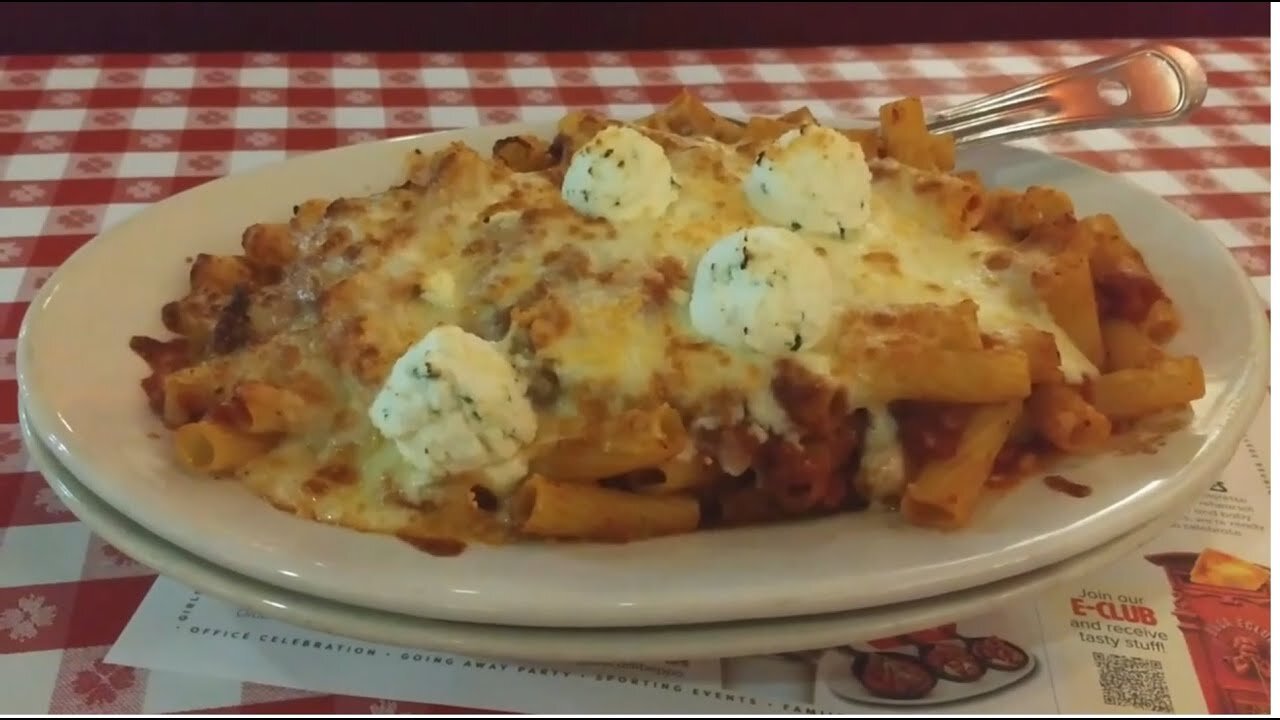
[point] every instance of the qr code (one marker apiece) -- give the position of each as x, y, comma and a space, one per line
1133, 683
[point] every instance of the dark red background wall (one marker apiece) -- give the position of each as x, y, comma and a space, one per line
27, 27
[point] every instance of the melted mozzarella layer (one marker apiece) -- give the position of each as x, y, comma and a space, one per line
900, 259
516, 262
882, 475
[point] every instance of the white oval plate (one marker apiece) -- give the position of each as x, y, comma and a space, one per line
537, 644
79, 381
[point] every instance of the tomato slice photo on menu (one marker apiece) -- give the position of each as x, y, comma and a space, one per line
928, 667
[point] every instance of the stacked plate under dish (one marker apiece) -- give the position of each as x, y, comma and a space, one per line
714, 594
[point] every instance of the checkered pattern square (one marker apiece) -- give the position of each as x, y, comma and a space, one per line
87, 140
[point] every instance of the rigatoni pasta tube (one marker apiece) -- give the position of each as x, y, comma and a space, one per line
1128, 346
269, 244
1113, 258
190, 392
1061, 416
763, 130
904, 133
1046, 204
688, 115
257, 408
219, 274
1066, 287
952, 376
1020, 212
954, 327
214, 448
583, 511
1044, 362
639, 440
945, 492
680, 474
1119, 271
1135, 392
867, 138
942, 148
909, 326
1162, 321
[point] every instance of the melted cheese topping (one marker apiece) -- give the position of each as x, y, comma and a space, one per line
600, 280
901, 258
882, 475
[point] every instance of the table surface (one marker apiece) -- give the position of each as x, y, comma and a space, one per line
86, 141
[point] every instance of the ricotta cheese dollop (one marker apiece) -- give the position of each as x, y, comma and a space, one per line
454, 404
619, 175
762, 288
814, 179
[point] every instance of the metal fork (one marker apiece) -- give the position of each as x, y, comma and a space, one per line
1154, 84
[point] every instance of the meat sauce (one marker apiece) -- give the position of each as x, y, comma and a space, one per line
1066, 487
439, 547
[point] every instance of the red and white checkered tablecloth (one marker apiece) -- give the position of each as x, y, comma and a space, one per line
86, 141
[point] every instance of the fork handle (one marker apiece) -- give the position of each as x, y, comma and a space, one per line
1152, 84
